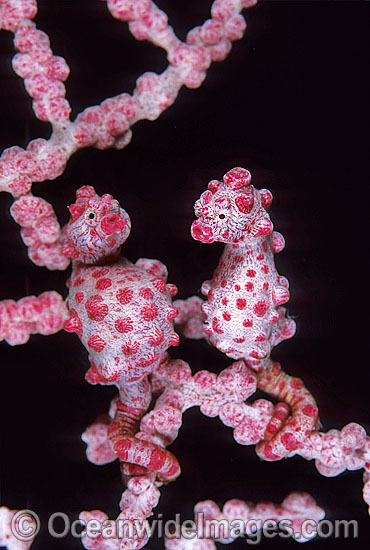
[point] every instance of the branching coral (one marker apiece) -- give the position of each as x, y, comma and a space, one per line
123, 312
108, 124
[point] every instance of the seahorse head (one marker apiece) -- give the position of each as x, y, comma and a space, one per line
97, 228
232, 211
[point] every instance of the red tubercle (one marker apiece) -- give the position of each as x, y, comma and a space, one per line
79, 296
156, 337
157, 460
266, 197
103, 284
124, 295
96, 343
76, 210
237, 178
69, 251
146, 293
73, 324
216, 326
280, 295
201, 232
171, 313
241, 303
112, 223
149, 313
146, 360
130, 347
296, 383
278, 242
78, 281
260, 308
124, 325
264, 227
267, 453
93, 376
159, 284
172, 289
245, 202
174, 339
96, 274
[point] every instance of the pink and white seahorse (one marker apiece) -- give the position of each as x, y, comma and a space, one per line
123, 314
244, 317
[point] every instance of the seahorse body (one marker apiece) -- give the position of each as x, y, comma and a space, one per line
125, 317
244, 314
244, 317
121, 311
123, 314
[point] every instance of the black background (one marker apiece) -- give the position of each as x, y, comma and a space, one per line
291, 103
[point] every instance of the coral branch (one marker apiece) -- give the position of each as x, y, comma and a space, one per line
12, 12
239, 518
225, 396
44, 314
43, 73
108, 124
17, 532
244, 317
190, 318
40, 232
123, 312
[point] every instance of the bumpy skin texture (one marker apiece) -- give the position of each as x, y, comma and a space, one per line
123, 317
244, 317
121, 312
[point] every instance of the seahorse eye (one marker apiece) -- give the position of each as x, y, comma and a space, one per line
91, 215
221, 216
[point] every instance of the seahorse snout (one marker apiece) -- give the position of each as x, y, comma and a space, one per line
202, 232
113, 223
